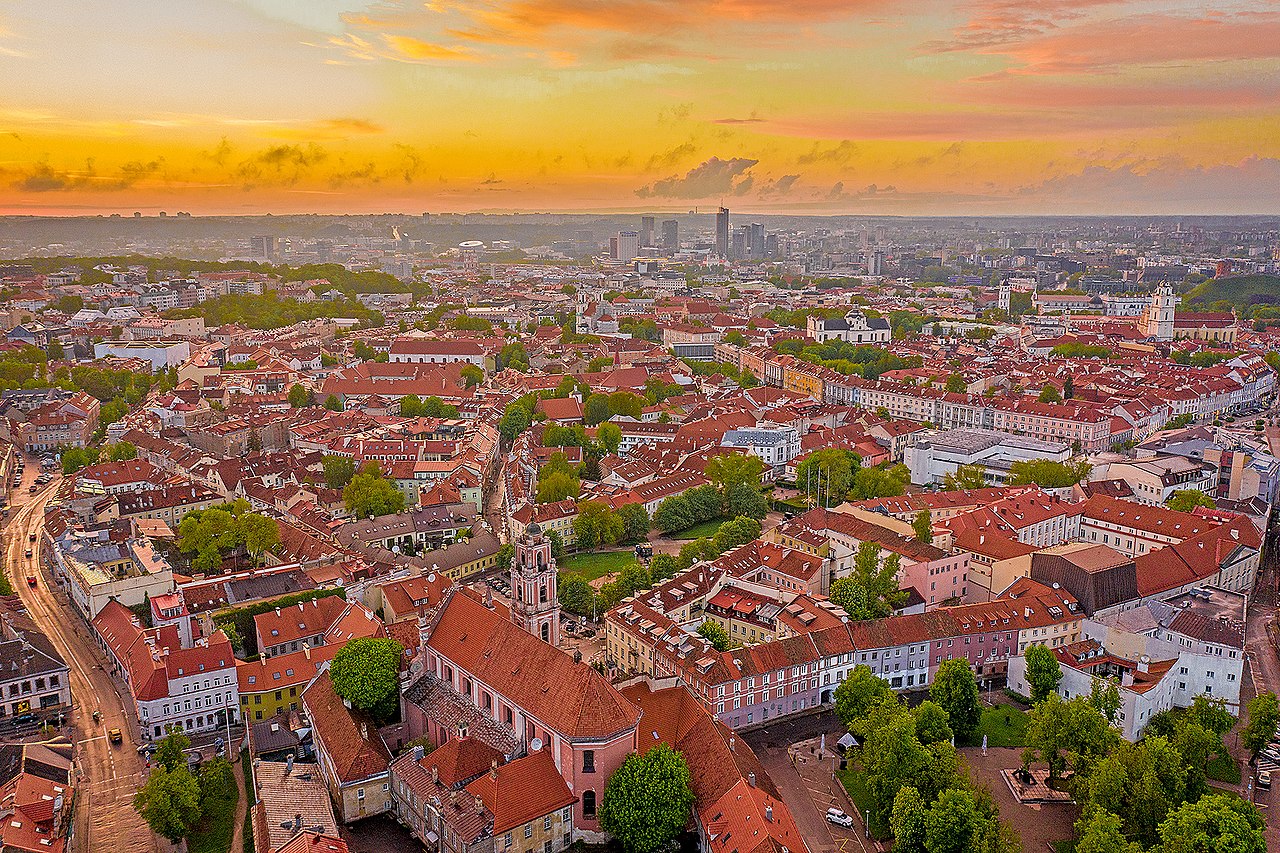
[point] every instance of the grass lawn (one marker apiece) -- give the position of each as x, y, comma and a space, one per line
855, 782
213, 833
1223, 768
596, 564
698, 531
997, 731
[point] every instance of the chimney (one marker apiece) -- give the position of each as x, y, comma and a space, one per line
453, 798
479, 805
768, 812
435, 773
288, 765
306, 650
1144, 664
277, 611
1126, 678
297, 823
493, 770
751, 779
732, 741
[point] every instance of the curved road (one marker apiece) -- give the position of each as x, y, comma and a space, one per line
107, 774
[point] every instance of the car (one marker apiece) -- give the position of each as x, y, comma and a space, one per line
33, 488
114, 736
31, 537
1264, 780
839, 818
28, 553
31, 580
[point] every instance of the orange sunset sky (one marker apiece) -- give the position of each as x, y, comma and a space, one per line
832, 106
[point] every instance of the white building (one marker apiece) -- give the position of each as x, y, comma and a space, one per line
776, 446
432, 351
161, 354
854, 327
932, 457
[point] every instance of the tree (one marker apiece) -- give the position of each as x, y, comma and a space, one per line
557, 486
1050, 394
745, 500
673, 515
1068, 387
472, 375
370, 495
596, 409
332, 403
849, 596
735, 532
366, 673
734, 469
609, 435
121, 451
861, 690
577, 595
715, 634
1220, 823
922, 524
1099, 831
1185, 500
258, 533
516, 418
1264, 713
1043, 671
596, 525
907, 821
956, 384
647, 800
75, 458
932, 723
506, 552
170, 802
1048, 474
635, 523
663, 566
966, 477
1105, 696
827, 474
338, 470
299, 397
955, 689
872, 591
1062, 732
954, 824
171, 752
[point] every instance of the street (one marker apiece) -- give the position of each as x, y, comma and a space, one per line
1262, 674
107, 775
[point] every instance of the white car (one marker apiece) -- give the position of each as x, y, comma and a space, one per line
839, 818
1264, 779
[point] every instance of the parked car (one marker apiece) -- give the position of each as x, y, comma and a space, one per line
1264, 780
31, 537
28, 553
839, 818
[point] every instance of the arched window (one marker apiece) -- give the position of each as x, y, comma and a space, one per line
542, 594
589, 804
546, 632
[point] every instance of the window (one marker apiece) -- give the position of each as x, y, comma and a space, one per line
546, 823
506, 840
528, 830
589, 804
588, 761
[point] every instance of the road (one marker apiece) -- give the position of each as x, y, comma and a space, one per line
1262, 673
107, 775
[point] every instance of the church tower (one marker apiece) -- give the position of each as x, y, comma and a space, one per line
1160, 315
1006, 296
535, 604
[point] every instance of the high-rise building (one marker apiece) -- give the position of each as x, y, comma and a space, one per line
671, 234
755, 244
875, 262
722, 232
646, 231
262, 247
628, 246
739, 250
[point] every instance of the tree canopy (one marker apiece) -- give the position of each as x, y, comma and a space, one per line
647, 800
369, 494
366, 673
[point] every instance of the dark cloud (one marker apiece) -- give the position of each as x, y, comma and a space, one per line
842, 152
780, 187
713, 177
670, 158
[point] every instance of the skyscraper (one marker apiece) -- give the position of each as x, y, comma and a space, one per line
755, 243
646, 231
722, 232
671, 234
628, 246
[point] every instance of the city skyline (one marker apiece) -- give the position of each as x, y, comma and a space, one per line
812, 106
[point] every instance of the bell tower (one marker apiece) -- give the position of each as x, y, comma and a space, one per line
535, 602
1160, 315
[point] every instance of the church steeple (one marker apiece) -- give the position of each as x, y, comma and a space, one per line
535, 602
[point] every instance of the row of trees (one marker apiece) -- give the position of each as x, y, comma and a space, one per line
173, 800
1044, 473
598, 526
833, 475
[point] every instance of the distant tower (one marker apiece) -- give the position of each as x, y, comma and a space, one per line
1006, 296
535, 604
646, 231
722, 232
1160, 314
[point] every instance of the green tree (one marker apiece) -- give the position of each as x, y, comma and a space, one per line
258, 533
873, 590
171, 751
1264, 713
827, 474
849, 596
907, 821
1185, 500
966, 477
366, 673
1050, 394
472, 375
715, 634
557, 486
506, 552
332, 403
1105, 696
1043, 671
673, 515
75, 458
956, 384
577, 595
596, 525
596, 409
635, 523
663, 566
121, 451
734, 469
1100, 831
1067, 732
1220, 823
647, 800
299, 397
955, 689
516, 418
860, 691
169, 802
1048, 474
370, 495
744, 500
883, 482
932, 723
338, 470
954, 824
922, 525
610, 436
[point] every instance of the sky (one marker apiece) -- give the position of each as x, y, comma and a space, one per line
771, 106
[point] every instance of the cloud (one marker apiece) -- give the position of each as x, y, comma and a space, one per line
751, 119
843, 152
1167, 186
43, 178
713, 177
775, 189
668, 159
1002, 22
348, 125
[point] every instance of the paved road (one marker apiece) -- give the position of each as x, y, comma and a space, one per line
1262, 674
108, 775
